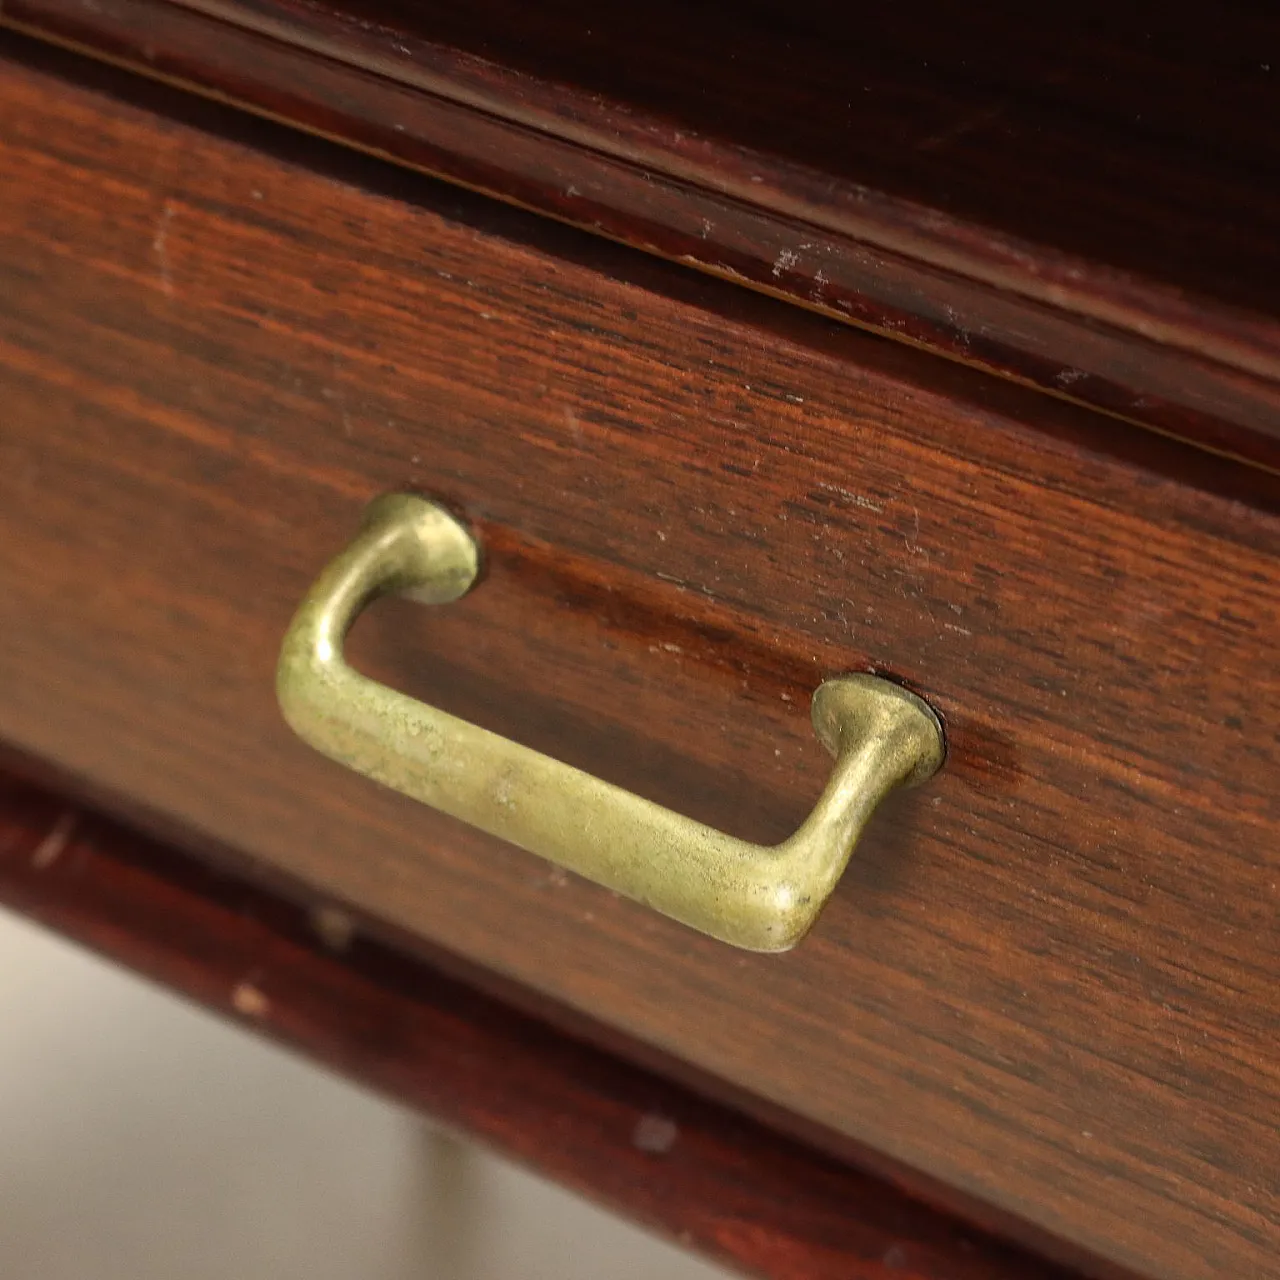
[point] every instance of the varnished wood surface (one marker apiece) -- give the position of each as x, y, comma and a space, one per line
1084, 199
1047, 982
711, 1179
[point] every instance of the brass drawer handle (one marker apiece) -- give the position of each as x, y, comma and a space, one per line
753, 896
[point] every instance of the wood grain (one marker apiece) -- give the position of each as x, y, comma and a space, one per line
711, 1179
1047, 983
1082, 199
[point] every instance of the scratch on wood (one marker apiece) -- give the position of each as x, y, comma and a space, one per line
655, 1134
246, 999
160, 246
960, 128
850, 496
51, 848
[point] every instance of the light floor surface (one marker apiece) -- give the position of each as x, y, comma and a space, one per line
144, 1139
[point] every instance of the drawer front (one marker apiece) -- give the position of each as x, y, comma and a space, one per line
1047, 980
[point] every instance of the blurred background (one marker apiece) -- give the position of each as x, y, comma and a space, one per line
142, 1138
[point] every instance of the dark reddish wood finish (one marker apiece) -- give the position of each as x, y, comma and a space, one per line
1084, 202
713, 1180
1045, 989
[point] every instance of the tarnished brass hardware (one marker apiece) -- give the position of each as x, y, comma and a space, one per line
761, 898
